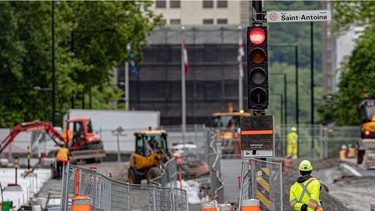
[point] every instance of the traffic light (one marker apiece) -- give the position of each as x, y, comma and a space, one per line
257, 67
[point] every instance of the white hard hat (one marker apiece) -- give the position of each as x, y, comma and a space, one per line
343, 146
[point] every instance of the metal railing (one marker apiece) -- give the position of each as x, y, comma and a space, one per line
110, 195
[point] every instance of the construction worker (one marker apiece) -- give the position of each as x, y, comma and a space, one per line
292, 143
61, 159
305, 193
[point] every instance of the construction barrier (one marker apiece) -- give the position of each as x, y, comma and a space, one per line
250, 205
209, 206
262, 180
106, 194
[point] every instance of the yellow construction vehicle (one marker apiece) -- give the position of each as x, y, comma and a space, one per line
227, 126
366, 144
151, 151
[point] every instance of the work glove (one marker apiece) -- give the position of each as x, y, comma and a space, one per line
304, 207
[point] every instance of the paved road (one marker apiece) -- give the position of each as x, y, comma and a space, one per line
231, 170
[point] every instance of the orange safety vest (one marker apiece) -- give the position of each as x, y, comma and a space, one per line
62, 154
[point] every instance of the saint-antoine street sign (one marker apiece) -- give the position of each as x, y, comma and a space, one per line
298, 16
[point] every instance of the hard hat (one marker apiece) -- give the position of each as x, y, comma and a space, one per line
293, 129
305, 165
343, 147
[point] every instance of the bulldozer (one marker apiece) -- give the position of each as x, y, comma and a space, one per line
366, 143
151, 152
227, 125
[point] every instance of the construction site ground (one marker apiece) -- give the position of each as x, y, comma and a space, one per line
342, 191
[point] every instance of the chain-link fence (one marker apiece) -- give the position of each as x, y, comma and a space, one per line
213, 160
262, 180
107, 194
317, 141
168, 178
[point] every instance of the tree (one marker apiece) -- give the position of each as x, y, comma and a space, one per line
101, 32
357, 74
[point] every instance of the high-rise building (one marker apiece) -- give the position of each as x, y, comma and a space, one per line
203, 12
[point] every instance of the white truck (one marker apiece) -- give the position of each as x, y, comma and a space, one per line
107, 123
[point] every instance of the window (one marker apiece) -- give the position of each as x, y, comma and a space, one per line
208, 4
222, 21
161, 4
222, 4
175, 21
175, 4
208, 21
163, 21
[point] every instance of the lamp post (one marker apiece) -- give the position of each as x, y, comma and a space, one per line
53, 64
285, 96
72, 49
296, 73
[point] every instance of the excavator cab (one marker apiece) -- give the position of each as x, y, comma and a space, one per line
151, 152
80, 135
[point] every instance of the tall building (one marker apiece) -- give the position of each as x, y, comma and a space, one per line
211, 29
203, 12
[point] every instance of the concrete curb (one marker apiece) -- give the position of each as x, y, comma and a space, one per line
350, 170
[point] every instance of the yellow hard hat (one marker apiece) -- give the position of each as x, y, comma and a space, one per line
293, 129
305, 165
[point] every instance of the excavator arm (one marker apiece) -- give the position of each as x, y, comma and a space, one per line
32, 126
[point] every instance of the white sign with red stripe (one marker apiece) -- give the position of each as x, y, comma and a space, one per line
298, 16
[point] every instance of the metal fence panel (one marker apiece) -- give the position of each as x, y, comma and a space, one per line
110, 195
262, 180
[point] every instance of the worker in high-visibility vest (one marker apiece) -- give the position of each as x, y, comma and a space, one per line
305, 193
292, 143
61, 159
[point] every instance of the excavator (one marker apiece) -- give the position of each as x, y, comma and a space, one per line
152, 152
227, 126
78, 137
366, 144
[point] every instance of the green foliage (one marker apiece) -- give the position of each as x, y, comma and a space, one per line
357, 74
101, 30
294, 33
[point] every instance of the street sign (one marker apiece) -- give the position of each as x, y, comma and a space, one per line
298, 16
257, 137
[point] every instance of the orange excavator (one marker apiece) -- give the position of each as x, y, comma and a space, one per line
78, 137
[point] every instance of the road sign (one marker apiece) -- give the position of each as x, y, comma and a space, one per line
257, 137
298, 16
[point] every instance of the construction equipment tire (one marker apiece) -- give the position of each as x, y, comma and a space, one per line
360, 155
132, 177
153, 173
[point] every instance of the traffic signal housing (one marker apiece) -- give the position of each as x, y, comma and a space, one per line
257, 67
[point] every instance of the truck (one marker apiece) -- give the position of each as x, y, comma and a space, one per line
107, 123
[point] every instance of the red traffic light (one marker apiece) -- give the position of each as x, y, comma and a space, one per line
257, 36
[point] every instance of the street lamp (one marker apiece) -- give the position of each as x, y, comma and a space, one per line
296, 73
285, 96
